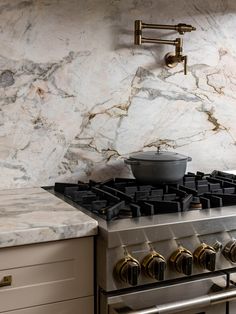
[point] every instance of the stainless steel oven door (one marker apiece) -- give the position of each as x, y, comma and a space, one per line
200, 296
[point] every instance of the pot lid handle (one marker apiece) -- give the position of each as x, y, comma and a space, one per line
158, 149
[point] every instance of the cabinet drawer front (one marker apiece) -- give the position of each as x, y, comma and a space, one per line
46, 273
76, 306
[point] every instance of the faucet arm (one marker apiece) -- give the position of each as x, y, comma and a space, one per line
178, 43
181, 28
159, 41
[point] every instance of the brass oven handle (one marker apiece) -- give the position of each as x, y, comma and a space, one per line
6, 281
185, 305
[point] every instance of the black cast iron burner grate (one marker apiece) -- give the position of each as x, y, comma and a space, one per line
126, 198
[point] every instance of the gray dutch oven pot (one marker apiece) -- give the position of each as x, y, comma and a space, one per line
158, 166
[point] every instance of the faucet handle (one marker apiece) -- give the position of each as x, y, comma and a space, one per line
171, 60
185, 59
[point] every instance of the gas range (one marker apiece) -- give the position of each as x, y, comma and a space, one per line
155, 241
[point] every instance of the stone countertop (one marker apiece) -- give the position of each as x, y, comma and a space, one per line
33, 215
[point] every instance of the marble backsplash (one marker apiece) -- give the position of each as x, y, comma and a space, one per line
76, 96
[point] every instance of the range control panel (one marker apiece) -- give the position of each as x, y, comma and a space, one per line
171, 259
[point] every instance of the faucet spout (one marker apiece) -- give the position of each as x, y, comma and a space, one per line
183, 28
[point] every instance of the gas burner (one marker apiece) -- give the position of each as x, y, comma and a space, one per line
126, 198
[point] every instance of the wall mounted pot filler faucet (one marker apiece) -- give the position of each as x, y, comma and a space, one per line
171, 59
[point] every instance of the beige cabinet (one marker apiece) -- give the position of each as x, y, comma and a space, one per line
48, 278
76, 306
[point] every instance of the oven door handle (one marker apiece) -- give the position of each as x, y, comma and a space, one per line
185, 305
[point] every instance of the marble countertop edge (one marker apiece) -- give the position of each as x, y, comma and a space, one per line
30, 216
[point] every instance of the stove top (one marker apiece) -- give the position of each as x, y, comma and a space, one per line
126, 198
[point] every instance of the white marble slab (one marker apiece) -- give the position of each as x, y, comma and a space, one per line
33, 215
77, 96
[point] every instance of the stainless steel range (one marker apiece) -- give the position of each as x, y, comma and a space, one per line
164, 248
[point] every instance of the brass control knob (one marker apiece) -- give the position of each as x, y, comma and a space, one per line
205, 257
128, 270
229, 251
182, 261
154, 265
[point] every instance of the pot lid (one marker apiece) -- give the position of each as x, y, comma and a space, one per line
158, 156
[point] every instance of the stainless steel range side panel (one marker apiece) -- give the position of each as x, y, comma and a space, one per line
166, 294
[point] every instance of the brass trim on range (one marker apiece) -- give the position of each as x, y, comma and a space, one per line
127, 270
181, 261
229, 251
205, 256
174, 256
6, 281
201, 249
149, 269
171, 59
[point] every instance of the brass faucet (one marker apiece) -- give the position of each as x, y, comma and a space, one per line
171, 59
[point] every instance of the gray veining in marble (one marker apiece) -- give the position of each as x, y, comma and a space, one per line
76, 96
33, 215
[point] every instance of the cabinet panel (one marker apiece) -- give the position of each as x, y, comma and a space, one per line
46, 273
77, 306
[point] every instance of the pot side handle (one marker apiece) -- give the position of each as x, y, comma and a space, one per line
189, 159
131, 162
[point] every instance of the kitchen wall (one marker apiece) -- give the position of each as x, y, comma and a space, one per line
76, 96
